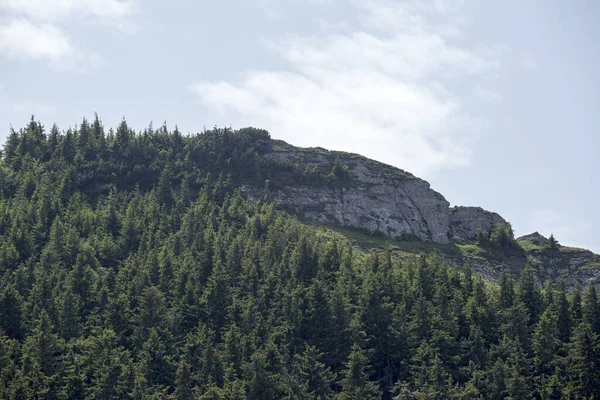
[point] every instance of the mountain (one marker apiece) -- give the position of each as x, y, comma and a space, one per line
227, 265
351, 191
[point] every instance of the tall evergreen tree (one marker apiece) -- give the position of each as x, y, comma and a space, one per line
584, 362
355, 378
315, 376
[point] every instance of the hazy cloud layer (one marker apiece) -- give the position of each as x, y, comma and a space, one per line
34, 30
23, 109
381, 89
22, 39
108, 11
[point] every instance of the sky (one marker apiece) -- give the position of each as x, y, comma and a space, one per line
495, 104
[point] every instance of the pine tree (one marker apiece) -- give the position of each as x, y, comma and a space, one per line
421, 324
498, 374
529, 294
11, 149
553, 386
11, 312
517, 324
155, 364
584, 364
68, 147
122, 138
73, 379
216, 298
315, 376
99, 137
152, 312
475, 345
53, 142
576, 308
564, 317
69, 314
106, 362
545, 341
7, 364
355, 382
183, 381
507, 294
41, 359
552, 243
262, 383
591, 312
85, 140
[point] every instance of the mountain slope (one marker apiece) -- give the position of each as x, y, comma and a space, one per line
133, 265
351, 191
334, 188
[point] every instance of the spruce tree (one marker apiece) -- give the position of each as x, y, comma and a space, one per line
584, 364
545, 341
315, 376
552, 243
355, 380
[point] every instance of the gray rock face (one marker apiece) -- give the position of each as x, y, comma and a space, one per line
466, 221
393, 209
377, 197
535, 238
372, 196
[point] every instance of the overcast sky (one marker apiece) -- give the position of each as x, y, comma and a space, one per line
495, 103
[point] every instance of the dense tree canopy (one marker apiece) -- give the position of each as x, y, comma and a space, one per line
133, 266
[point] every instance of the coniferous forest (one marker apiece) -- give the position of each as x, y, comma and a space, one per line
133, 266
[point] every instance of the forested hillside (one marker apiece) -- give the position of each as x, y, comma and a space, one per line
133, 266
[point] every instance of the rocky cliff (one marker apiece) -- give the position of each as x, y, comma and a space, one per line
372, 196
570, 265
465, 222
343, 190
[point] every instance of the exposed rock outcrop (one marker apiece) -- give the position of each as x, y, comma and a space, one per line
566, 264
351, 190
466, 221
535, 238
373, 196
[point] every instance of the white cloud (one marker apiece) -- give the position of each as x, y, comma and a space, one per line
530, 64
275, 9
380, 90
267, 7
34, 29
369, 113
22, 39
486, 95
410, 57
417, 16
108, 11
